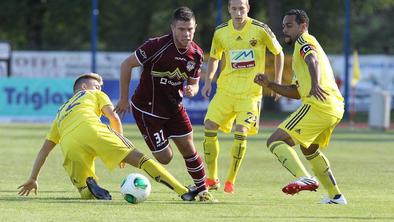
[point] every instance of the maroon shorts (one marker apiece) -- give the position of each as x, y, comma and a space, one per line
156, 131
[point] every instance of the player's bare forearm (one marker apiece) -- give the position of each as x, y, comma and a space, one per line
125, 74
46, 148
279, 63
289, 91
213, 65
114, 120
31, 183
313, 67
116, 124
125, 77
127, 65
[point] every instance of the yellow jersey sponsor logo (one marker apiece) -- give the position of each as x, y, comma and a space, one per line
241, 59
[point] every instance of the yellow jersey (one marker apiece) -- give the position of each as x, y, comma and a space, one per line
244, 52
84, 106
334, 103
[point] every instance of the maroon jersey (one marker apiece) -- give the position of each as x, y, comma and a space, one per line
165, 69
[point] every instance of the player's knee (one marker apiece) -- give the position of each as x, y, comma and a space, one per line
270, 140
133, 158
163, 159
241, 129
310, 150
280, 135
210, 125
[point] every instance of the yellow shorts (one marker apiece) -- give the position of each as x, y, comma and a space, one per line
224, 109
81, 146
308, 126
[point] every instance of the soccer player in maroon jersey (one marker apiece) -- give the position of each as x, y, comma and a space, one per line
168, 61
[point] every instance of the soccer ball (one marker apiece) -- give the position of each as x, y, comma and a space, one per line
135, 188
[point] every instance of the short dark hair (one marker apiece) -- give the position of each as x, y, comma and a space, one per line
301, 16
183, 14
83, 79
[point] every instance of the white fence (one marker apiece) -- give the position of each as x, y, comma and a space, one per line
64, 64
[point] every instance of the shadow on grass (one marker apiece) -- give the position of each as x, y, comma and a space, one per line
33, 198
264, 138
310, 217
40, 191
76, 200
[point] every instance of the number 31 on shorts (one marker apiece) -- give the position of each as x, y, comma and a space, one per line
159, 137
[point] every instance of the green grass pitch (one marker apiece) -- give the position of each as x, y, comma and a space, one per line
362, 161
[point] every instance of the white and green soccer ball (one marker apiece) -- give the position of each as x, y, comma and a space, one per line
135, 188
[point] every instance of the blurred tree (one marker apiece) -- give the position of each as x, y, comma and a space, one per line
124, 24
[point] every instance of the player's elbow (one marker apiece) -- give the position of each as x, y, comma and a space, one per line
126, 64
280, 56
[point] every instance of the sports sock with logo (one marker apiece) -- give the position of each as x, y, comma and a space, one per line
237, 153
211, 152
321, 169
289, 159
161, 175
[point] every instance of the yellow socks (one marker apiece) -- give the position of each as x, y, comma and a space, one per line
161, 175
289, 159
211, 152
238, 153
321, 169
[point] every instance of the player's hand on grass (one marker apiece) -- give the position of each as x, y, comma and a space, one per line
206, 90
122, 107
122, 165
28, 186
318, 93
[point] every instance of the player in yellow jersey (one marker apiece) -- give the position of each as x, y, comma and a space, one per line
312, 124
83, 137
243, 42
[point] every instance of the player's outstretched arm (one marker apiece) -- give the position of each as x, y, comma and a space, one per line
212, 67
313, 66
114, 120
31, 183
279, 61
289, 91
124, 84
